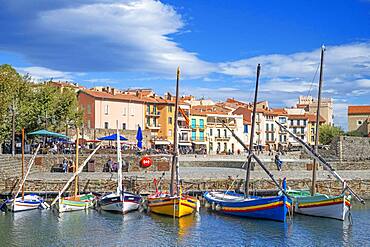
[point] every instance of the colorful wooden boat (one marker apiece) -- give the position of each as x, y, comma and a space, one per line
321, 205
75, 203
172, 206
270, 208
29, 202
113, 202
175, 203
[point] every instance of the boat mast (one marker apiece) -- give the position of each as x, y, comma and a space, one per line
248, 168
119, 160
175, 159
314, 167
76, 162
22, 163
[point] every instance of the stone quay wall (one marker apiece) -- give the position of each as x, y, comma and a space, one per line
348, 148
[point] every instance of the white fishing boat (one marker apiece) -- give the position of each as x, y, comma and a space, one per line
310, 202
119, 201
25, 202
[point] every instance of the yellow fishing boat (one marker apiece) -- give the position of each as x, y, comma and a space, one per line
172, 206
175, 203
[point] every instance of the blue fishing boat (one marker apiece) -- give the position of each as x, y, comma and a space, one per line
231, 203
244, 205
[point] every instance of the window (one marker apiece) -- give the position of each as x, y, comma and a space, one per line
88, 109
272, 127
225, 133
124, 111
304, 122
201, 123
298, 122
218, 147
282, 120
312, 138
302, 130
359, 122
225, 146
193, 135
155, 109
218, 133
284, 138
170, 108
155, 122
272, 136
123, 126
148, 109
132, 111
193, 123
211, 146
169, 132
201, 135
232, 147
106, 125
148, 121
291, 122
267, 136
88, 123
106, 110
210, 132
245, 128
295, 130
169, 120
267, 127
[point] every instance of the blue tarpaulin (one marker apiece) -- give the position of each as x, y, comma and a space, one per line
112, 138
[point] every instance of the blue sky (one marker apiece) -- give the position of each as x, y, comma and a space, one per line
217, 44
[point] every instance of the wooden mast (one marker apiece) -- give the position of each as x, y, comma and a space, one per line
248, 168
314, 167
22, 163
175, 160
76, 163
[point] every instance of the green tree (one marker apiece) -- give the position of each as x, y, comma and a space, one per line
327, 133
36, 105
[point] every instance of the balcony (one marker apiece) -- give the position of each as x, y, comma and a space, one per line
222, 139
153, 114
153, 127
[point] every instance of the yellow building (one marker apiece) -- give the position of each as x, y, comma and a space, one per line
311, 132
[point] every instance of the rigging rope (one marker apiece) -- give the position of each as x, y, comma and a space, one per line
313, 79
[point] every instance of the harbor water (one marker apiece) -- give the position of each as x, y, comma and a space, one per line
93, 228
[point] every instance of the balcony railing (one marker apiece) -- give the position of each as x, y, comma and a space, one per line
222, 139
152, 126
153, 114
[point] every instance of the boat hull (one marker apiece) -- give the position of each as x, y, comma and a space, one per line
113, 203
269, 208
172, 206
80, 202
30, 202
320, 205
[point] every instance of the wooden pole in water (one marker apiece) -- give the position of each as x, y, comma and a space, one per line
314, 167
248, 168
22, 163
76, 163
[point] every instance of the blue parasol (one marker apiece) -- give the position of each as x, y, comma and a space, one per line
112, 138
139, 137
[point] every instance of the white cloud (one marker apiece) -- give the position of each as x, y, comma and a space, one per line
42, 73
363, 83
126, 36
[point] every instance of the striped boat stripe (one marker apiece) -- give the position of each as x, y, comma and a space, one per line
324, 203
170, 203
255, 208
